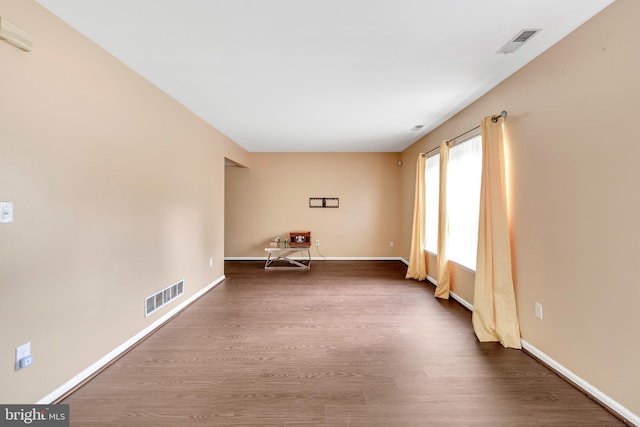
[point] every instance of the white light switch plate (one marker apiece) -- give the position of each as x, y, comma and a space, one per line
6, 212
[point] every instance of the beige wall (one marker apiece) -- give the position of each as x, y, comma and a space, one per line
574, 198
118, 193
272, 198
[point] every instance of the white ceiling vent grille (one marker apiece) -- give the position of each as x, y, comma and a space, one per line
516, 42
154, 302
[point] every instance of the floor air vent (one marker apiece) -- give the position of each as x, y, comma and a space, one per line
156, 301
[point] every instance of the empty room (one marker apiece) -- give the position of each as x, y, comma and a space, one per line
304, 213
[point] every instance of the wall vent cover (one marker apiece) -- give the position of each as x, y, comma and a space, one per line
159, 299
518, 40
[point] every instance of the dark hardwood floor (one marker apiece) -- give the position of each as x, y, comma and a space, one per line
344, 344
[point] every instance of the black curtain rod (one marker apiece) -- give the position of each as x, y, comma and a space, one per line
494, 119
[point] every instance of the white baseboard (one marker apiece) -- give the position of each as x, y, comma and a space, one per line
453, 295
466, 304
577, 381
583, 385
104, 361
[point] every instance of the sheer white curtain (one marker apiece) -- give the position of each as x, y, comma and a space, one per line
463, 200
432, 197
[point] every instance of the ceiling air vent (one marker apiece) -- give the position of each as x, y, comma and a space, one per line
516, 42
417, 128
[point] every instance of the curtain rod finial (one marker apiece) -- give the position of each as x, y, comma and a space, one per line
495, 118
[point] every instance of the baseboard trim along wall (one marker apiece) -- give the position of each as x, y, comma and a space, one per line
122, 348
583, 385
606, 401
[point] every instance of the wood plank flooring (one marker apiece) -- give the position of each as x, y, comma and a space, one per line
345, 344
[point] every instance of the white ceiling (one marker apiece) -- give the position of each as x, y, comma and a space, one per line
323, 75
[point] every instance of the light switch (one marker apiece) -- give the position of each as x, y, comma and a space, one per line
6, 212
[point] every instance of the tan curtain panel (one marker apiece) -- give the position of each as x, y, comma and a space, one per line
442, 290
494, 304
417, 263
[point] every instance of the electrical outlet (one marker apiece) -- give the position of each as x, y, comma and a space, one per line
317, 242
539, 310
23, 356
391, 244
6, 212
211, 262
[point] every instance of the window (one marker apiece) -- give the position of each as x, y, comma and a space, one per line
463, 200
432, 196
